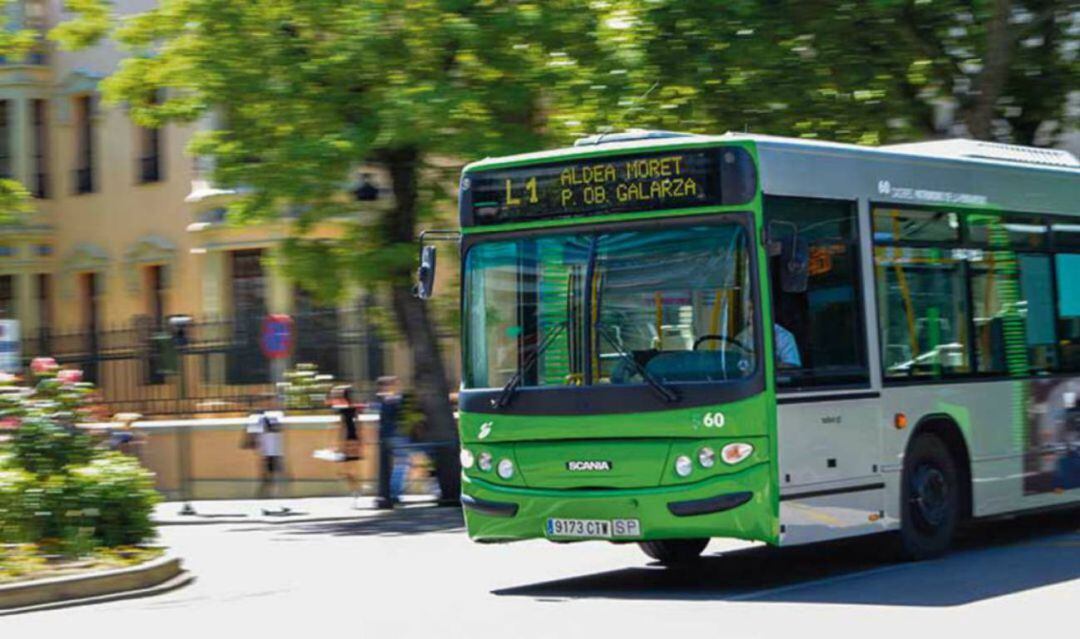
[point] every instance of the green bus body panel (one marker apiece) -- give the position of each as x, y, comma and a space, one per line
755, 520
744, 418
640, 447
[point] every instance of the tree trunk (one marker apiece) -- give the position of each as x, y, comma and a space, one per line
994, 74
429, 380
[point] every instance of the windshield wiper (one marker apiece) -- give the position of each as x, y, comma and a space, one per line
514, 382
666, 392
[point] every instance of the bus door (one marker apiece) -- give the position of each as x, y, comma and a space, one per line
828, 420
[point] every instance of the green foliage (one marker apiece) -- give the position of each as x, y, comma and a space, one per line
115, 496
307, 90
865, 72
305, 389
91, 22
44, 448
14, 43
56, 489
15, 201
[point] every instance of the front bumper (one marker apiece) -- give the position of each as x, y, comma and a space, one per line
741, 505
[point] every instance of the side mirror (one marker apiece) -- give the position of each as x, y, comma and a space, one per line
794, 253
425, 275
794, 264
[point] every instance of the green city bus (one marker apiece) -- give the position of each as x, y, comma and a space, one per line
672, 337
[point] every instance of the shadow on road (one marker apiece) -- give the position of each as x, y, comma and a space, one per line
990, 560
414, 520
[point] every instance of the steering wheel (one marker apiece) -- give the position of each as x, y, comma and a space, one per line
725, 339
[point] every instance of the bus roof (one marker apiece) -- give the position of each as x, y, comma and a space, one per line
953, 150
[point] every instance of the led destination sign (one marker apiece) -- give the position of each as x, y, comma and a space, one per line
645, 182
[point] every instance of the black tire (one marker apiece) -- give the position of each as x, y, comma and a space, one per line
674, 551
929, 500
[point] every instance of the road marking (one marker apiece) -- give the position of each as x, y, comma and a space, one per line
827, 581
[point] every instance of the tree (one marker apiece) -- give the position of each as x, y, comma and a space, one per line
866, 71
14, 44
310, 89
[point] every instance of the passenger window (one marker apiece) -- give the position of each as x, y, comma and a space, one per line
819, 334
922, 311
1068, 280
1014, 333
1037, 307
903, 225
994, 230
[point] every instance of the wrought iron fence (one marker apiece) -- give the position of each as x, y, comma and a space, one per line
217, 366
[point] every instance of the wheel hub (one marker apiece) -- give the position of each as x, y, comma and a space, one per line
930, 496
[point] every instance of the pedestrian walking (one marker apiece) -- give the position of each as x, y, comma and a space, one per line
341, 399
264, 433
393, 459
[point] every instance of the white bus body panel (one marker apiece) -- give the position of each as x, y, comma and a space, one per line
830, 475
1011, 469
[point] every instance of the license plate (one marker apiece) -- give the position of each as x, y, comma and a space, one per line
594, 528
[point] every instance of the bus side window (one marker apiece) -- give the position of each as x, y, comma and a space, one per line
1068, 321
819, 337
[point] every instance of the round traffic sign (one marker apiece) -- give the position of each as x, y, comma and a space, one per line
277, 336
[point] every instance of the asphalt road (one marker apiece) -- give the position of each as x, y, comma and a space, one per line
414, 574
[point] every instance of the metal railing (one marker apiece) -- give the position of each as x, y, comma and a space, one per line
216, 366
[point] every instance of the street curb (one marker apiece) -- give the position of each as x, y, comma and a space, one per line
105, 585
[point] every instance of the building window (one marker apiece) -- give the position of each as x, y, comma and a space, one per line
88, 294
150, 143
317, 327
155, 288
5, 138
246, 363
44, 302
85, 151
40, 114
819, 332
35, 17
7, 296
89, 290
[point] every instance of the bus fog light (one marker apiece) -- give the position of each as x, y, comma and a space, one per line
683, 466
467, 458
706, 457
506, 468
735, 453
484, 462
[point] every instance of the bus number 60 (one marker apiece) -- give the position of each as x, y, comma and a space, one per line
713, 420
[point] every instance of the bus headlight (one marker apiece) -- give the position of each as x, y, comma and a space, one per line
467, 458
706, 457
683, 466
484, 462
735, 453
506, 468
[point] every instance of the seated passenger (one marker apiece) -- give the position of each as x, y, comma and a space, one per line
787, 348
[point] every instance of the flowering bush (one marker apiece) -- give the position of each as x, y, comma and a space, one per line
305, 389
56, 489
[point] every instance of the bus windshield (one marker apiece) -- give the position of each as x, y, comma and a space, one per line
666, 306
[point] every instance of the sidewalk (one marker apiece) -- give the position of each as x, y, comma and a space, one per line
308, 509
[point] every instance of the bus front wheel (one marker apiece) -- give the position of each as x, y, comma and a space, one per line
930, 499
674, 551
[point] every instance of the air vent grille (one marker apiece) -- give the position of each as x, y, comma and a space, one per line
990, 151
